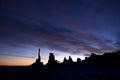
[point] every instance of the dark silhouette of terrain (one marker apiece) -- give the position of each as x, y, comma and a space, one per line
38, 62
94, 67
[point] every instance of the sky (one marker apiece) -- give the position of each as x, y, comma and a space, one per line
66, 28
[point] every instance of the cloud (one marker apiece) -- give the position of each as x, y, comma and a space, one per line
49, 36
69, 29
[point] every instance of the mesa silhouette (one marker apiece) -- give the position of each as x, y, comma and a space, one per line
111, 59
94, 67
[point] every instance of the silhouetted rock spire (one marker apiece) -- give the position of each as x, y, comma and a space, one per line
51, 60
78, 60
39, 58
70, 59
38, 61
65, 60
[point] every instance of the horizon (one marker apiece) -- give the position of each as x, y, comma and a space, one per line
33, 60
45, 63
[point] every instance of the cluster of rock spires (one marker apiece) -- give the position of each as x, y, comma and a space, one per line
107, 59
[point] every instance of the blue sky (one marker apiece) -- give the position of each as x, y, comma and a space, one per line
64, 27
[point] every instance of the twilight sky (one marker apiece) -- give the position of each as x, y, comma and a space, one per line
65, 27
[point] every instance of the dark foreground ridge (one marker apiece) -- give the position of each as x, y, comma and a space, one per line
95, 67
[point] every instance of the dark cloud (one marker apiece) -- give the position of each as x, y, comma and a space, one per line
60, 25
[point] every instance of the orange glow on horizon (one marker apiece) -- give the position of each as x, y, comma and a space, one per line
18, 63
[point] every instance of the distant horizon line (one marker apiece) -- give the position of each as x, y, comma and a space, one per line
42, 60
